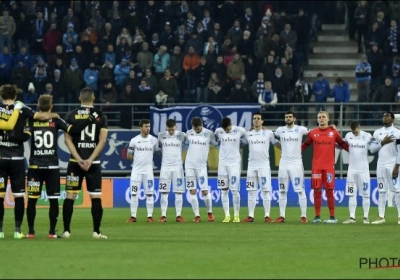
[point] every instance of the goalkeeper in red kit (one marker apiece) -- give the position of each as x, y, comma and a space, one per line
324, 139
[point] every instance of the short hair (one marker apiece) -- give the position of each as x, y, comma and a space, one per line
225, 122
8, 92
290, 113
170, 123
323, 112
258, 113
354, 125
391, 114
143, 122
86, 94
45, 102
197, 121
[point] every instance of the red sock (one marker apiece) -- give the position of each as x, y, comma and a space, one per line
317, 201
331, 202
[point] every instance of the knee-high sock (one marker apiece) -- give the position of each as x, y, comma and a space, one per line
134, 205
97, 214
331, 202
366, 202
397, 201
303, 204
251, 202
31, 214
236, 203
381, 204
150, 205
317, 201
19, 209
164, 204
352, 206
68, 209
225, 202
178, 204
195, 204
267, 203
282, 203
208, 202
1, 213
53, 215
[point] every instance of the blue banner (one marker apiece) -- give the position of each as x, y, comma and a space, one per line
122, 194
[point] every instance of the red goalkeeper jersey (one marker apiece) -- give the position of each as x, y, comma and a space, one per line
324, 147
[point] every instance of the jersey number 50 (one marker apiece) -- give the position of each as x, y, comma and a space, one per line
45, 139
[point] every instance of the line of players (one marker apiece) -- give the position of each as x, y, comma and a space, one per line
229, 138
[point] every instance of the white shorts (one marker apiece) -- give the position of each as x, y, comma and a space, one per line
194, 176
360, 181
172, 175
258, 178
229, 177
293, 173
385, 180
147, 180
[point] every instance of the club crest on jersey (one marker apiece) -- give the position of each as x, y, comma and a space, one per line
316, 135
149, 184
201, 179
394, 181
263, 180
297, 181
330, 134
208, 114
179, 182
329, 177
365, 186
233, 179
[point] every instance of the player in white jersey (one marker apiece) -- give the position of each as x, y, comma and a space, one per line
258, 169
358, 177
171, 143
387, 142
141, 150
198, 140
291, 168
229, 138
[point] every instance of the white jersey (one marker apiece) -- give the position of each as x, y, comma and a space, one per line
258, 142
291, 140
142, 149
358, 151
387, 153
171, 146
199, 146
229, 144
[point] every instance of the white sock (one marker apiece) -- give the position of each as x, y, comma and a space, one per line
195, 204
225, 202
282, 203
352, 206
251, 201
236, 203
366, 202
397, 201
134, 205
164, 204
150, 205
267, 203
303, 204
208, 202
382, 204
178, 204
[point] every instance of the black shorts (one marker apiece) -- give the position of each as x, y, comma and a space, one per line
36, 178
15, 171
75, 177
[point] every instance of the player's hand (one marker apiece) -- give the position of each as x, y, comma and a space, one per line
333, 126
81, 163
387, 139
88, 164
395, 172
19, 105
95, 114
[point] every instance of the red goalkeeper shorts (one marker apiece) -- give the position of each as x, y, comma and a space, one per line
323, 178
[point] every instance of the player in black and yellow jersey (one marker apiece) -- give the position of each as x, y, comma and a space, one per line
12, 163
43, 162
85, 151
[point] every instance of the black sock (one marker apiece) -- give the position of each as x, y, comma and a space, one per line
1, 213
19, 209
53, 215
31, 214
97, 214
68, 209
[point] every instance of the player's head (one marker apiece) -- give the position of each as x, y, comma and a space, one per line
86, 96
171, 126
388, 118
144, 126
226, 124
45, 103
8, 92
290, 118
323, 119
355, 127
258, 120
197, 124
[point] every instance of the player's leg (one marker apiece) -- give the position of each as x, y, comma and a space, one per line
202, 178
223, 185
135, 183
164, 187
251, 187
316, 185
17, 179
52, 180
364, 187
148, 184
191, 185
264, 180
351, 192
34, 188
296, 175
283, 184
178, 187
3, 186
329, 184
381, 175
234, 186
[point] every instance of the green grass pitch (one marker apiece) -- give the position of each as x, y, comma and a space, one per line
205, 250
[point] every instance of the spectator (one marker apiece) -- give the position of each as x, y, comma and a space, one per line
251, 70
235, 68
195, 42
235, 33
220, 68
91, 77
210, 43
25, 56
106, 73
280, 84
181, 34
287, 69
121, 49
7, 27
60, 65
161, 61
268, 69
213, 79
108, 96
51, 39
21, 75
202, 74
377, 61
395, 70
149, 18
96, 56
70, 18
6, 63
57, 84
132, 80
260, 49
176, 67
361, 15
70, 38
268, 99
23, 31
40, 79
245, 45
302, 94
280, 22
106, 37
289, 36
190, 62
238, 94
168, 85
386, 93
115, 9
124, 34
90, 33
207, 21
321, 90
161, 99
374, 36
143, 95
216, 33
97, 22
216, 94
30, 96
201, 32
126, 97
278, 46
393, 39
341, 94
258, 87
151, 80
81, 58
87, 46
121, 72
190, 22
246, 86
73, 82
302, 27
167, 37
109, 54
155, 43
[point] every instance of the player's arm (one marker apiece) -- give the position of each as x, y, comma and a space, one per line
18, 136
343, 144
100, 145
71, 147
395, 172
10, 123
376, 146
306, 143
213, 140
131, 150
